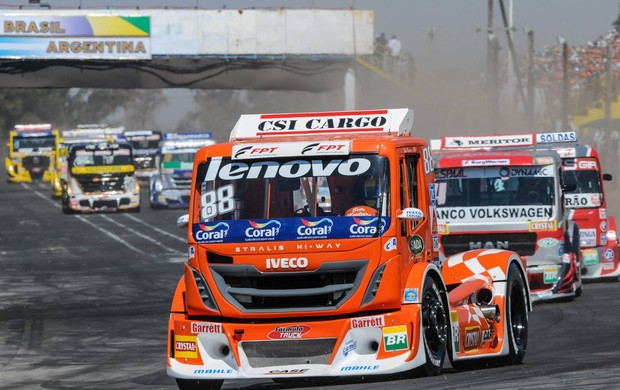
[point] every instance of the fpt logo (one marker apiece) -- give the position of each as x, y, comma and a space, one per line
321, 227
266, 230
215, 232
252, 151
325, 148
366, 227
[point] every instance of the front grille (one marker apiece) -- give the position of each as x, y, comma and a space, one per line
326, 288
144, 162
101, 204
36, 165
101, 182
182, 182
522, 243
288, 352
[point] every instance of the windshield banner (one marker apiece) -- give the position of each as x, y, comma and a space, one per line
494, 213
288, 229
578, 201
102, 169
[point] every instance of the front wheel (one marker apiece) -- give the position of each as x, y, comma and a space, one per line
199, 384
516, 316
434, 328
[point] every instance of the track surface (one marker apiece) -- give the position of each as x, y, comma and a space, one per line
84, 302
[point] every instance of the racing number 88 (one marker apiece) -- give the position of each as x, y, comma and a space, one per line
220, 201
429, 164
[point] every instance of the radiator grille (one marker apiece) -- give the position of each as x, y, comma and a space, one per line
522, 243
288, 352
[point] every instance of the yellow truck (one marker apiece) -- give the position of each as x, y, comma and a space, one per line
31, 153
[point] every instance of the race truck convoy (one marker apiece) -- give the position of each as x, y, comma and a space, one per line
31, 153
100, 177
146, 151
587, 204
343, 283
170, 186
498, 192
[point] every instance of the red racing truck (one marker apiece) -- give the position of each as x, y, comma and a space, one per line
498, 192
312, 253
587, 204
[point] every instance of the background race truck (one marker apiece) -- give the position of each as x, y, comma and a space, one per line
146, 151
170, 187
100, 177
82, 134
494, 192
312, 252
587, 204
31, 153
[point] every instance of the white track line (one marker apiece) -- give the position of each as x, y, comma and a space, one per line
158, 230
137, 233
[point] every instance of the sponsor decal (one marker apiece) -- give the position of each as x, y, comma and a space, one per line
443, 228
289, 371
494, 213
412, 214
456, 342
410, 295
608, 266
587, 165
602, 213
489, 245
349, 347
582, 200
363, 227
472, 338
590, 257
604, 226
290, 149
436, 245
216, 232
451, 173
298, 125
543, 160
368, 322
548, 242
286, 263
288, 332
260, 248
542, 226
206, 327
102, 169
360, 368
587, 237
314, 229
488, 141
603, 239
191, 252
473, 163
609, 255
550, 275
185, 347
395, 338
390, 245
563, 136
487, 335
207, 371
416, 245
262, 231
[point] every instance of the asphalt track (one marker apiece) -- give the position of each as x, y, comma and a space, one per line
84, 302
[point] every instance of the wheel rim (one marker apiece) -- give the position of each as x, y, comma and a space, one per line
518, 316
434, 321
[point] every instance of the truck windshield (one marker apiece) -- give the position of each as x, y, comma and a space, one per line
34, 143
496, 186
180, 160
81, 157
355, 185
586, 182
140, 142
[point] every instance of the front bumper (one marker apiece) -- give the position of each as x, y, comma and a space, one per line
170, 197
311, 349
104, 202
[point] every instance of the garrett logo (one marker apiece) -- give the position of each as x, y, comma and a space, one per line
288, 332
368, 322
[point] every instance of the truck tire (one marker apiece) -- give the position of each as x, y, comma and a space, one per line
515, 316
434, 328
199, 384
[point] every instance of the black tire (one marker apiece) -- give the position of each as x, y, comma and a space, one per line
434, 328
516, 308
199, 384
65, 200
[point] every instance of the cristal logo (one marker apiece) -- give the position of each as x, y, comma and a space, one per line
268, 229
321, 227
185, 346
215, 232
363, 226
288, 332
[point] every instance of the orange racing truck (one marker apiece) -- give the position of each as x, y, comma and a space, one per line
587, 204
312, 252
499, 192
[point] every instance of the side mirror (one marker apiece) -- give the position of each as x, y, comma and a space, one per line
412, 214
607, 177
183, 221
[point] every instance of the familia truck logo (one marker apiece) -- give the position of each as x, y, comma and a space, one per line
267, 230
217, 232
288, 332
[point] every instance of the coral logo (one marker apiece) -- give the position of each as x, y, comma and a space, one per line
215, 232
366, 226
321, 227
269, 229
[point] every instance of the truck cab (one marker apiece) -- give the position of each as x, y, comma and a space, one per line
31, 153
312, 253
497, 192
146, 151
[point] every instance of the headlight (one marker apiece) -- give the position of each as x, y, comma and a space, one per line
158, 185
74, 187
611, 235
